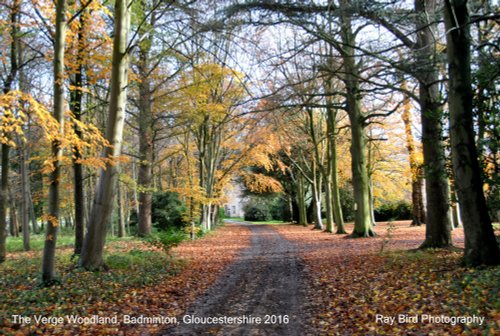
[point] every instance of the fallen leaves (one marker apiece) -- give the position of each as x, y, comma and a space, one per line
163, 288
351, 284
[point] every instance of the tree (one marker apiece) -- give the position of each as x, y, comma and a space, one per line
49, 250
418, 209
210, 95
5, 137
76, 97
481, 247
100, 216
438, 228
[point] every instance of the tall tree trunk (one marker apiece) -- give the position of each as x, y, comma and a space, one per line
13, 222
145, 174
34, 221
317, 164
121, 213
438, 228
49, 250
76, 108
330, 221
362, 219
301, 201
316, 190
14, 14
337, 208
480, 244
100, 216
4, 184
416, 185
25, 197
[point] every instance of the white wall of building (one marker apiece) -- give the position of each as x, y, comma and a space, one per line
234, 205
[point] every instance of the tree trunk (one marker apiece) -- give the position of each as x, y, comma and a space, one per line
301, 201
25, 197
5, 147
49, 250
337, 208
438, 228
3, 201
121, 214
76, 108
145, 175
100, 216
316, 189
317, 164
329, 205
34, 220
416, 186
13, 223
362, 219
481, 247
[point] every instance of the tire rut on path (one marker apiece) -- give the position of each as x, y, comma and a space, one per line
266, 279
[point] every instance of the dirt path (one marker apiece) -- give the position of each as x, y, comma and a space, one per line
265, 282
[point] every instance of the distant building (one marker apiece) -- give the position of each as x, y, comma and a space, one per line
235, 201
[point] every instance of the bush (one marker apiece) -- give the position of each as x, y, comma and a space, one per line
257, 211
347, 203
393, 211
266, 207
166, 240
279, 208
168, 210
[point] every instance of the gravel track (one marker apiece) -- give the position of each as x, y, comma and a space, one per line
265, 281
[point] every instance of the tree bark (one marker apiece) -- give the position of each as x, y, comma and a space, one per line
301, 201
49, 250
76, 108
5, 147
25, 197
100, 216
362, 219
13, 222
145, 174
3, 201
121, 213
416, 185
438, 228
481, 247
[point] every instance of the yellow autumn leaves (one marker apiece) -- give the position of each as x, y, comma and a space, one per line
18, 108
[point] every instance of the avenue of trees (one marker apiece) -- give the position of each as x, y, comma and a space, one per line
108, 106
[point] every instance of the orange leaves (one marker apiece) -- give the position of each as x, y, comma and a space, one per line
52, 220
208, 94
15, 107
260, 183
85, 294
355, 290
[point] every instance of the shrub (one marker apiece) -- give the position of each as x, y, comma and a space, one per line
393, 211
347, 203
256, 211
168, 211
166, 240
266, 207
279, 208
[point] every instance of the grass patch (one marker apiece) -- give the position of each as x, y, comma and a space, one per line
132, 267
66, 239
235, 219
15, 244
271, 222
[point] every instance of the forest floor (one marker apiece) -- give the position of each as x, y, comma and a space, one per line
298, 281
